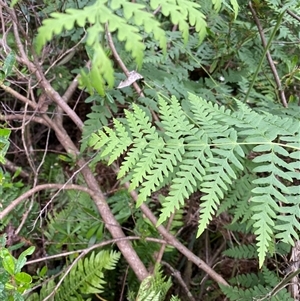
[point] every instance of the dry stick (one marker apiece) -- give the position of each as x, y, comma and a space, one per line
177, 275
123, 284
95, 246
270, 60
109, 219
12, 167
210, 263
37, 188
67, 96
163, 247
124, 68
293, 15
120, 62
26, 139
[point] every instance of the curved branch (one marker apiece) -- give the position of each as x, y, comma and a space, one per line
32, 191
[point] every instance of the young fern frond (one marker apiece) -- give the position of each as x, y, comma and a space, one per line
206, 149
86, 278
256, 287
242, 251
247, 280
154, 288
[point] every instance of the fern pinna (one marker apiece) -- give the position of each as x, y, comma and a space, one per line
207, 147
86, 278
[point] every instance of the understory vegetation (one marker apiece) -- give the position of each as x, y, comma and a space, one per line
150, 150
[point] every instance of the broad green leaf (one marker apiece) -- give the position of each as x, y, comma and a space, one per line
9, 263
23, 278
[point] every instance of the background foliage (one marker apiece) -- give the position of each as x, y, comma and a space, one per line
211, 144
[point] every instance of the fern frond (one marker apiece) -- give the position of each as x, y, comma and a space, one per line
98, 16
154, 287
258, 287
180, 13
238, 198
204, 147
222, 166
242, 251
185, 183
87, 276
247, 280
117, 141
271, 189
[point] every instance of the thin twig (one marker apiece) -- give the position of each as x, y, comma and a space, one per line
124, 68
84, 252
120, 62
44, 83
293, 15
95, 246
270, 60
163, 247
177, 275
37, 188
12, 167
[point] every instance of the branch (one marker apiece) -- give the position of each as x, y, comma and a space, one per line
170, 239
120, 62
124, 68
35, 68
96, 246
177, 275
270, 60
12, 167
34, 190
109, 219
293, 15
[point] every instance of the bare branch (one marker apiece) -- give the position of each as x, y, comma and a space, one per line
170, 239
270, 60
34, 190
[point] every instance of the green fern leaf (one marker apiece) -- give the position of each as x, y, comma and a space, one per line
288, 221
180, 12
116, 141
247, 280
242, 251
61, 21
265, 208
189, 175
219, 176
147, 20
165, 162
235, 7
217, 5
87, 276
